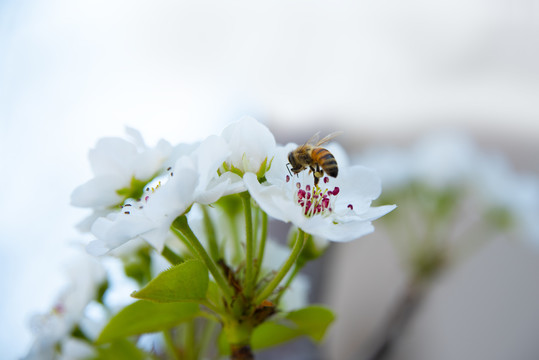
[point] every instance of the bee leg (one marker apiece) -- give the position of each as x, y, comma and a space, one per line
319, 173
288, 168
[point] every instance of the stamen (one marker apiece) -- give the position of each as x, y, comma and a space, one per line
315, 200
350, 206
287, 178
326, 179
126, 212
58, 309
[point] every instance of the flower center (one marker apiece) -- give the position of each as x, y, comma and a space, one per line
139, 203
314, 199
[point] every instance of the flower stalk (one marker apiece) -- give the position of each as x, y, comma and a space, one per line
296, 250
181, 225
261, 245
249, 245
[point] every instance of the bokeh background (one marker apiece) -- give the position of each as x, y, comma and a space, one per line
383, 72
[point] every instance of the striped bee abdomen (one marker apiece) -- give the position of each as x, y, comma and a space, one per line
326, 160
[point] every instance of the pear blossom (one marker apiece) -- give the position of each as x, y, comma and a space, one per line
502, 188
440, 160
53, 330
121, 170
192, 179
338, 209
251, 146
451, 161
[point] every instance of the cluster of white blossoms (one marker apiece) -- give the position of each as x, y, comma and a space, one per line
454, 194
189, 224
244, 157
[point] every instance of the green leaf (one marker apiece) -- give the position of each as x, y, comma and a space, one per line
187, 281
312, 321
271, 334
146, 316
213, 295
120, 350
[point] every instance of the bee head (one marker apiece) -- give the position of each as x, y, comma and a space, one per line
292, 159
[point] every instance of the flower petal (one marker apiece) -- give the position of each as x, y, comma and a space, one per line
250, 143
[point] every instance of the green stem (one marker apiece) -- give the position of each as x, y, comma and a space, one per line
170, 345
249, 245
232, 221
239, 333
184, 240
261, 245
256, 225
298, 246
180, 225
288, 282
210, 233
171, 256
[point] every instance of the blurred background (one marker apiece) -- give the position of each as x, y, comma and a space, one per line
383, 72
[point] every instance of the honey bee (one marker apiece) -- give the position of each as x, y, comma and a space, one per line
317, 159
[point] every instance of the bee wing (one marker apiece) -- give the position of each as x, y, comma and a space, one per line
313, 140
328, 138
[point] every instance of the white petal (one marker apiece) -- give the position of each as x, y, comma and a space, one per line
213, 191
174, 197
136, 136
270, 198
97, 248
158, 236
236, 184
341, 232
250, 142
208, 157
76, 349
112, 156
98, 192
358, 186
149, 162
123, 228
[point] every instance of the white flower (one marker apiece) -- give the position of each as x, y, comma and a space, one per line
502, 188
56, 326
193, 179
338, 209
452, 162
121, 169
251, 146
439, 161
